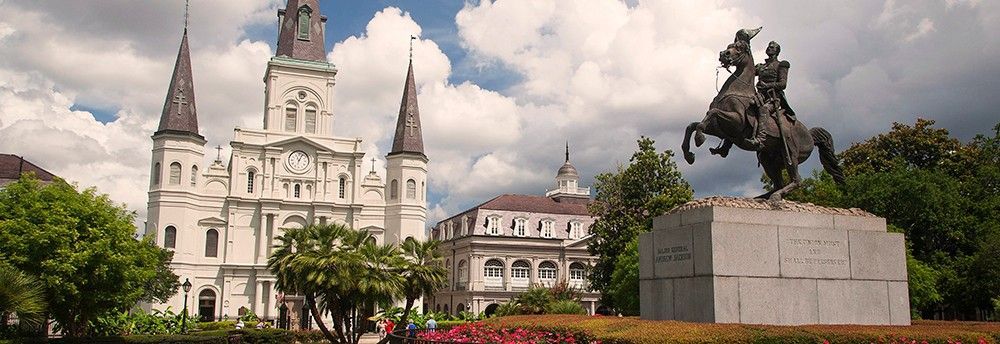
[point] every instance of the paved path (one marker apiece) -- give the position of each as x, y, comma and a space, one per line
369, 338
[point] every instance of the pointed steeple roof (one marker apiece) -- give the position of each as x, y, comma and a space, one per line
179, 112
303, 41
408, 138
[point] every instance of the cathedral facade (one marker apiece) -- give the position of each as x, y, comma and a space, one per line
221, 220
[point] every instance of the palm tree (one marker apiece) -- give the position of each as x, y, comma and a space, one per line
20, 295
424, 272
340, 271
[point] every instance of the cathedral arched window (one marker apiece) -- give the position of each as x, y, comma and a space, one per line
194, 175
157, 171
520, 271
297, 190
175, 173
310, 119
212, 243
342, 187
250, 178
170, 237
411, 189
305, 15
291, 117
393, 189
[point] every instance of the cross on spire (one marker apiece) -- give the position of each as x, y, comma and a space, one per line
410, 123
218, 154
179, 100
187, 3
412, 37
373, 165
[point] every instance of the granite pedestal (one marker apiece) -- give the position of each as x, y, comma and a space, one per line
721, 264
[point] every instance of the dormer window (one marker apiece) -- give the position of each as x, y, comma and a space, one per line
493, 225
547, 228
305, 15
519, 229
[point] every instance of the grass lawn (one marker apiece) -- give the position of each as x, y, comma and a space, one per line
632, 330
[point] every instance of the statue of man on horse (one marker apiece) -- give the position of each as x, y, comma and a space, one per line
755, 116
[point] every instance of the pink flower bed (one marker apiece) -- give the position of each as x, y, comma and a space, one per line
487, 334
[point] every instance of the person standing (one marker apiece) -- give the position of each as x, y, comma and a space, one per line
389, 325
431, 325
380, 328
411, 329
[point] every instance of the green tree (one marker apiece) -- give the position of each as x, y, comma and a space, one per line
424, 272
625, 280
20, 295
341, 272
943, 195
83, 250
627, 200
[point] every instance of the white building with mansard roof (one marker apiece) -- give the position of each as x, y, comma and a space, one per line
498, 249
221, 219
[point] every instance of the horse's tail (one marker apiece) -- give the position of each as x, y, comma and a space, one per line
824, 141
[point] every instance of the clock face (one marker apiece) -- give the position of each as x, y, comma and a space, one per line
298, 161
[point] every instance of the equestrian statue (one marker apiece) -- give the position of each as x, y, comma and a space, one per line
755, 116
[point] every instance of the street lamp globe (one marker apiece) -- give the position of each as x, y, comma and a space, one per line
186, 285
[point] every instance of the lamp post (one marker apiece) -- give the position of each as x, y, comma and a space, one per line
187, 288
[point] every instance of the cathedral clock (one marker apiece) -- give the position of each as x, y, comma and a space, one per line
298, 161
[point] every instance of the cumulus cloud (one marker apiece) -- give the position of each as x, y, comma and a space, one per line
595, 73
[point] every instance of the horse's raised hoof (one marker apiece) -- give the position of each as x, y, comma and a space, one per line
722, 152
699, 139
689, 157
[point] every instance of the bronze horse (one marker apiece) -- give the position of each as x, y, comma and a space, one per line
733, 115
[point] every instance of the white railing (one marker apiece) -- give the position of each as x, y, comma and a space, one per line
568, 190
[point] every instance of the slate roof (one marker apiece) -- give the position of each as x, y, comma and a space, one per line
408, 137
534, 204
12, 166
289, 44
179, 112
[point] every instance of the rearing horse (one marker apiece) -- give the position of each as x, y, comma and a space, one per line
733, 114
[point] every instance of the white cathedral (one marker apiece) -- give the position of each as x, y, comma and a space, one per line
221, 220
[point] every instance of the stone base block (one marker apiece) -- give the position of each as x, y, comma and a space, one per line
756, 266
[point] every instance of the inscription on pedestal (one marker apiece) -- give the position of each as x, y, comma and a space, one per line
673, 254
813, 253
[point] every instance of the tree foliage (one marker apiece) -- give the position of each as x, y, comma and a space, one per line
342, 272
627, 200
82, 249
943, 195
624, 289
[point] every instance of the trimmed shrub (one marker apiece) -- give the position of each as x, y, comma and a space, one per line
215, 325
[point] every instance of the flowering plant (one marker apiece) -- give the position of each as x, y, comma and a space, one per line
487, 334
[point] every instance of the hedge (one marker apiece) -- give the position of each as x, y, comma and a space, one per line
249, 336
631, 330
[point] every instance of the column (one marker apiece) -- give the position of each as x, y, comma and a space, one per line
257, 304
506, 273
262, 238
265, 300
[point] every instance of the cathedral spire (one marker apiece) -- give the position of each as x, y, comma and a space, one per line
301, 31
408, 137
179, 111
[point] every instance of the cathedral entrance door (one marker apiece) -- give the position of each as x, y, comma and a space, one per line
206, 305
